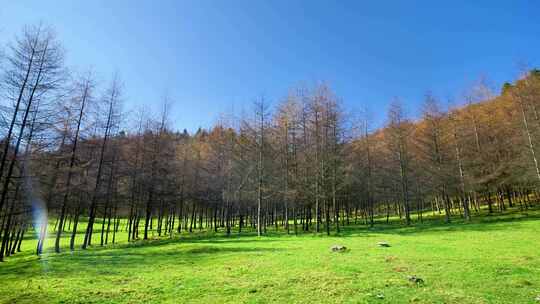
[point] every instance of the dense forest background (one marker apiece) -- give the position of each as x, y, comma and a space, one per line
70, 155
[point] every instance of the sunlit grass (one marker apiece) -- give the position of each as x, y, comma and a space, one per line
493, 259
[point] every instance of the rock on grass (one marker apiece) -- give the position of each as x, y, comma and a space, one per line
338, 248
415, 279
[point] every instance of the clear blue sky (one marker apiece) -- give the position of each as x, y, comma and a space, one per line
211, 55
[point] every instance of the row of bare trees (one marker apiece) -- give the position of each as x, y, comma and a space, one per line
75, 166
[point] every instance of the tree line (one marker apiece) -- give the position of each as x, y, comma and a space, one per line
72, 157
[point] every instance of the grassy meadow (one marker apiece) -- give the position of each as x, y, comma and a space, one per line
493, 259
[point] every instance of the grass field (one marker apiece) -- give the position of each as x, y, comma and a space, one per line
494, 259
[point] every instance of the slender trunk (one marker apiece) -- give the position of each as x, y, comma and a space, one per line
70, 169
93, 204
529, 139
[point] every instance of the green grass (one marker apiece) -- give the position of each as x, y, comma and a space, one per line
493, 259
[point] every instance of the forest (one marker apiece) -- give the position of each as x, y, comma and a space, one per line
97, 192
72, 155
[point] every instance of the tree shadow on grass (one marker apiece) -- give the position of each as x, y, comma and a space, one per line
479, 223
217, 239
197, 237
115, 262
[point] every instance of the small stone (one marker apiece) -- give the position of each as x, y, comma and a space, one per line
415, 279
383, 244
537, 299
380, 296
338, 248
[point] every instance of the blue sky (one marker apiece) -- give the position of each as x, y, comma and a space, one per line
215, 56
